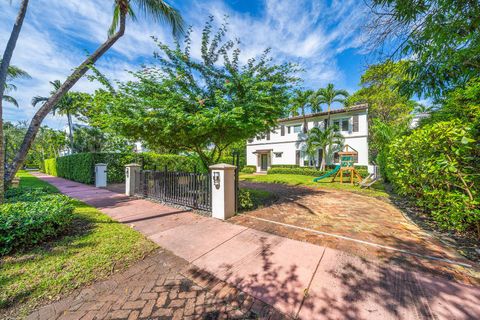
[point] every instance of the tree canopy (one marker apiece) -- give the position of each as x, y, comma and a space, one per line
199, 105
439, 38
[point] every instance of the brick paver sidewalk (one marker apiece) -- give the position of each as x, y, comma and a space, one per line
163, 286
299, 279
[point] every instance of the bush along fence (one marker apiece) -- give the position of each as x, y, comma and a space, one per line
80, 167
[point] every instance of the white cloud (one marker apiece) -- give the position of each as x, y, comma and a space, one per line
57, 35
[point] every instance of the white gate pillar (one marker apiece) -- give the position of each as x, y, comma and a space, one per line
100, 175
132, 171
223, 190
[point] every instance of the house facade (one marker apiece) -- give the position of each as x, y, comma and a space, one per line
286, 144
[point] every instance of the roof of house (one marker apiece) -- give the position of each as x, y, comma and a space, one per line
318, 114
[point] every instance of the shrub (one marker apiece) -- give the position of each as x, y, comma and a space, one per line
173, 162
249, 199
249, 169
437, 165
80, 167
77, 167
245, 201
285, 166
307, 171
31, 216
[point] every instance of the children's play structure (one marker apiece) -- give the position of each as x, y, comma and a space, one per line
347, 160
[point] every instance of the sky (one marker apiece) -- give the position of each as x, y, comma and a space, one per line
324, 38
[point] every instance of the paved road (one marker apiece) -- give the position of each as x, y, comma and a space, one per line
299, 279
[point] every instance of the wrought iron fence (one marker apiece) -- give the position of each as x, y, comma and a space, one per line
188, 189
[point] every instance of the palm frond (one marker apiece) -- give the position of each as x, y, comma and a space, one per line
14, 72
161, 11
115, 20
10, 99
38, 99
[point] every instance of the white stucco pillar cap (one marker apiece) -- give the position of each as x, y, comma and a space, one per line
222, 166
132, 165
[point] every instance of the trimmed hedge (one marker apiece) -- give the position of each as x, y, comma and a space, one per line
306, 171
309, 171
31, 216
80, 167
173, 162
249, 169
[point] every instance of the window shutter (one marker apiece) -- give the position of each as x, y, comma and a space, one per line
268, 135
355, 123
282, 130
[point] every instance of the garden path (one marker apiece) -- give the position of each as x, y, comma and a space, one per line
298, 278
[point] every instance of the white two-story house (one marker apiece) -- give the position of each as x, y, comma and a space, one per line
286, 144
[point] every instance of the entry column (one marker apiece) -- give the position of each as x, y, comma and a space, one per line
223, 190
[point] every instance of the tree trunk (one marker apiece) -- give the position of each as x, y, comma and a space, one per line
322, 164
53, 100
328, 112
70, 130
305, 125
6, 58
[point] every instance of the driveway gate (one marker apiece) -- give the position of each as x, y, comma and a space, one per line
190, 189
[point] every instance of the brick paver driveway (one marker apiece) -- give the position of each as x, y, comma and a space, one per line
357, 217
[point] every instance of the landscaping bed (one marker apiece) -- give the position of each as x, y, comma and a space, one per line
89, 246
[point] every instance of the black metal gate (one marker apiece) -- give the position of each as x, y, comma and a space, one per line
190, 189
236, 163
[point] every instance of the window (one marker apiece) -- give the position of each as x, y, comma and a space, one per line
297, 128
341, 125
336, 125
268, 135
297, 157
355, 124
282, 130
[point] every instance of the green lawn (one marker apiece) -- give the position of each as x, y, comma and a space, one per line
95, 247
377, 190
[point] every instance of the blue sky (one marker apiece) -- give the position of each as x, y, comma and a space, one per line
323, 37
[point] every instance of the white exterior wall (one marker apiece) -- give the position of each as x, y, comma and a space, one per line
290, 142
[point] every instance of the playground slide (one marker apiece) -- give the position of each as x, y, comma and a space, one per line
328, 174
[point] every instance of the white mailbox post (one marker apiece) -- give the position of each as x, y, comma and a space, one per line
131, 173
101, 175
223, 191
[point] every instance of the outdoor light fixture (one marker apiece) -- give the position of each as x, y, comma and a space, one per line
216, 179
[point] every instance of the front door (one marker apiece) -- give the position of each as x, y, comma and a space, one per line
263, 162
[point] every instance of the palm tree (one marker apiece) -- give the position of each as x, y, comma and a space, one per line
64, 107
157, 10
12, 74
421, 108
300, 101
330, 95
323, 139
4, 70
